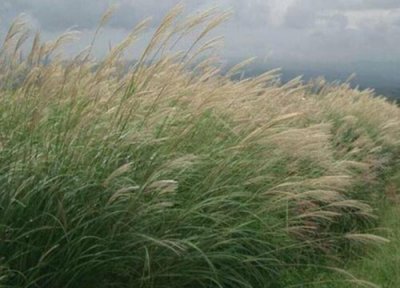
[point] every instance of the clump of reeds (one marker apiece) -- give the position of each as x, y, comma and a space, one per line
172, 175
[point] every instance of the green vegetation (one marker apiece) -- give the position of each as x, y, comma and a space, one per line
380, 265
383, 265
167, 175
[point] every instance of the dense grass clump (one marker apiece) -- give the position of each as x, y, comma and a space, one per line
167, 174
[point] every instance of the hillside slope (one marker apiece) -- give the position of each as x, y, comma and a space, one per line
163, 176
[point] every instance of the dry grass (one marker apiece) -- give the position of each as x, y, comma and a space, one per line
167, 175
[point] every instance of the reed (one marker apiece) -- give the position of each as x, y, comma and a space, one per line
166, 175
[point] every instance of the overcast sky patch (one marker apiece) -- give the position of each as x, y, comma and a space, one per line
293, 30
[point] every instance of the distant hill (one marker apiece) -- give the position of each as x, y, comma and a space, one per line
382, 77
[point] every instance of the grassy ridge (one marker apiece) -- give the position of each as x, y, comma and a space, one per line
381, 264
164, 177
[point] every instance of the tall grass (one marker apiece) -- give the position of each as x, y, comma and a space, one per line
172, 175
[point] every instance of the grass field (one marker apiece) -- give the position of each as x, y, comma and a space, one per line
165, 175
381, 265
378, 267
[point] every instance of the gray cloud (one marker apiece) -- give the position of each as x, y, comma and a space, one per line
294, 30
380, 4
351, 4
300, 17
58, 15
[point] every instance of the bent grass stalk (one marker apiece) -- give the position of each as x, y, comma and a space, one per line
164, 176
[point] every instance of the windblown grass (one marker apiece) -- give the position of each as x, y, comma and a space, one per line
172, 175
380, 265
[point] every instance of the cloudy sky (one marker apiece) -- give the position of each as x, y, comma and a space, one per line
306, 31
